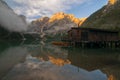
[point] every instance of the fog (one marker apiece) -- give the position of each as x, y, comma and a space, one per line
11, 21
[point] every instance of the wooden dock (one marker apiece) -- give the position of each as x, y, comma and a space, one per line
102, 44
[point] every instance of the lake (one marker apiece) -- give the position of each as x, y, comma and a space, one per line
38, 60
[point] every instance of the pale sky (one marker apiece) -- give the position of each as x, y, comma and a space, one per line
34, 9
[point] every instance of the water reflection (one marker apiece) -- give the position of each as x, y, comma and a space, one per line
58, 61
11, 53
36, 69
106, 60
9, 56
48, 62
49, 52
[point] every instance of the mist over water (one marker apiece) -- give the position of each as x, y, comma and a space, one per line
11, 21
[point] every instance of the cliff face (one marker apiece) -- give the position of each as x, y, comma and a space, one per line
107, 17
71, 17
58, 23
36, 25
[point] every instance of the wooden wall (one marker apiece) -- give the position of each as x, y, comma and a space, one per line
103, 36
75, 35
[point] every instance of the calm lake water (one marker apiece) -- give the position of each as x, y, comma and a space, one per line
37, 60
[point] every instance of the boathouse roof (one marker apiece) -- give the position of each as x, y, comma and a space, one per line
94, 29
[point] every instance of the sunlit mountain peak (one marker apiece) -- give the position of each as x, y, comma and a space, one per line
71, 17
112, 2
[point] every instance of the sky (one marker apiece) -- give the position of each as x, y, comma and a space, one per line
34, 9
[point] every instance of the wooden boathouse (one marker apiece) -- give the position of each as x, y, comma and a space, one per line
91, 37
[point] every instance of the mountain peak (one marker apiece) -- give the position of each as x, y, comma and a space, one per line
112, 2
59, 23
57, 16
43, 18
61, 15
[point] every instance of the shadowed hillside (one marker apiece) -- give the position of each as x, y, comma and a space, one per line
107, 17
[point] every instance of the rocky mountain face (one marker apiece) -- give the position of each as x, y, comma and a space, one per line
71, 17
107, 17
36, 25
58, 23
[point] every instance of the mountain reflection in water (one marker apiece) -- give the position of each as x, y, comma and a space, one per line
35, 69
48, 62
